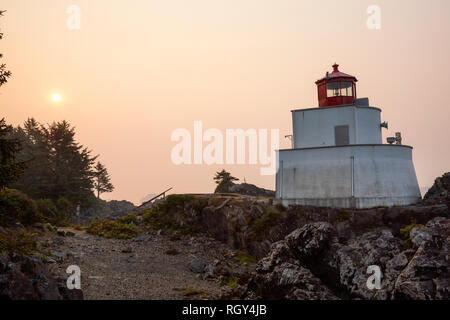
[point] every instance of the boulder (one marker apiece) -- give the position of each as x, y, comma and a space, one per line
27, 278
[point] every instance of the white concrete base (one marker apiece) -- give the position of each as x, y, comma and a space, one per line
353, 176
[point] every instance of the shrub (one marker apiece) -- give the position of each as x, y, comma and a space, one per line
113, 229
131, 218
264, 224
16, 206
162, 215
58, 215
23, 243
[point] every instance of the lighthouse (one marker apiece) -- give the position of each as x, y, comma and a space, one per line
338, 158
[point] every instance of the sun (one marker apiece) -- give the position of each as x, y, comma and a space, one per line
56, 97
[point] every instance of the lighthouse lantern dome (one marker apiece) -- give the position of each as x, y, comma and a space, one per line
336, 88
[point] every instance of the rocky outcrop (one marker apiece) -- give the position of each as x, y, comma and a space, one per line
427, 275
312, 263
27, 278
251, 190
107, 209
439, 193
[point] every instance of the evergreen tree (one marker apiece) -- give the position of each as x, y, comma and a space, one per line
59, 166
10, 168
102, 180
224, 181
4, 74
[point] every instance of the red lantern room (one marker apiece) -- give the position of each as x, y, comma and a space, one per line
336, 89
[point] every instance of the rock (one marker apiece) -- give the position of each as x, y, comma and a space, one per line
58, 241
70, 234
60, 256
142, 237
197, 265
172, 252
27, 278
61, 233
127, 250
49, 260
311, 240
39, 226
287, 281
427, 276
209, 272
439, 193
251, 190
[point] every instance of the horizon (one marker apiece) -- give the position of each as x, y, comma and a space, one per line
134, 74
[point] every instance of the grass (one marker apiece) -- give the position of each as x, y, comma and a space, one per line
405, 233
245, 258
232, 283
113, 229
263, 224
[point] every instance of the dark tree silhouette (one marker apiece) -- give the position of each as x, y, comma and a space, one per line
102, 180
224, 181
4, 74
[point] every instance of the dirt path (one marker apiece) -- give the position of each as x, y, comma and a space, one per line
128, 269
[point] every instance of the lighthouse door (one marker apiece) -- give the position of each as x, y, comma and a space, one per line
341, 135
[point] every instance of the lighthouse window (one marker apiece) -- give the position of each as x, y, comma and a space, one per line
346, 89
337, 89
333, 89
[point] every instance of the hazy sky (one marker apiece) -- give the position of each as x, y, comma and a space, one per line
139, 69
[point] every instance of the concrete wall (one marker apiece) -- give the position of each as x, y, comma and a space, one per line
315, 127
378, 175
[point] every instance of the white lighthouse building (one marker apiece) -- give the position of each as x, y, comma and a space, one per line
338, 158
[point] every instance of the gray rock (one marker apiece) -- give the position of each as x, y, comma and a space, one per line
197, 265
142, 237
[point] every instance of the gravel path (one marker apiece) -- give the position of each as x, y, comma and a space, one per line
127, 269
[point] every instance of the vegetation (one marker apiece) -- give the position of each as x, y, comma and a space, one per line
23, 243
162, 215
16, 206
405, 233
233, 283
264, 223
113, 229
224, 181
102, 180
56, 214
4, 74
58, 165
10, 167
129, 219
245, 258
343, 216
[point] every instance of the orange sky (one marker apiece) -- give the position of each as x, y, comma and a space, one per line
137, 70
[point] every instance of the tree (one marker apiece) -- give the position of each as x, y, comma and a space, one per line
102, 180
59, 165
10, 168
224, 181
4, 74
